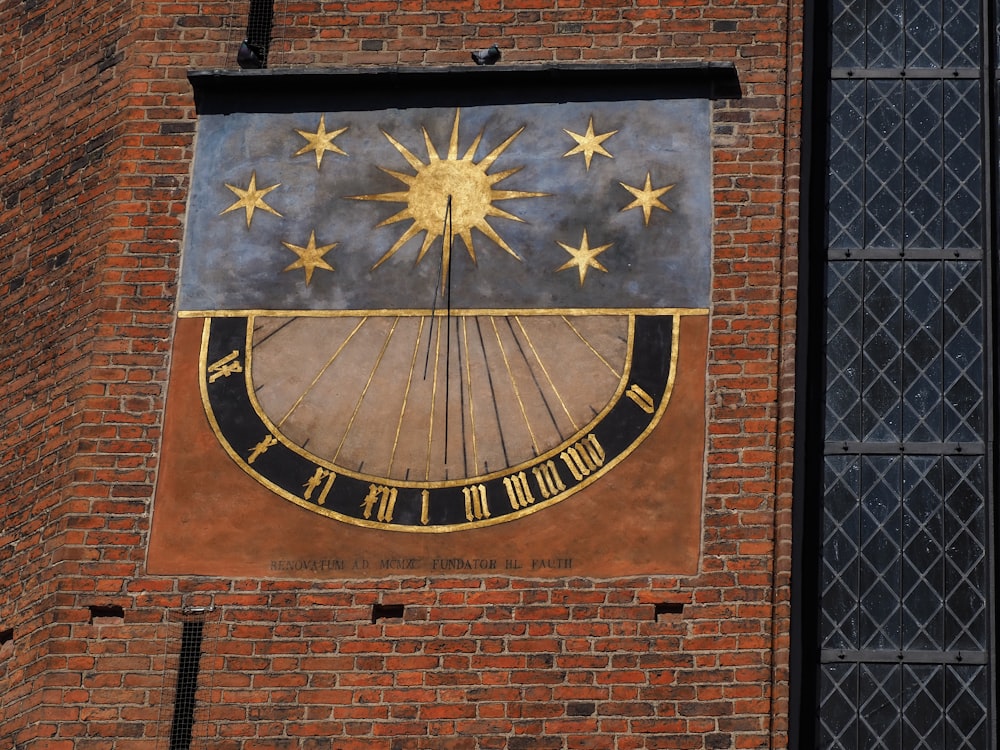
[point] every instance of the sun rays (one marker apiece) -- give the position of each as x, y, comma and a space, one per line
460, 181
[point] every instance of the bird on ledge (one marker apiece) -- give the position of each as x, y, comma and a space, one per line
250, 56
487, 56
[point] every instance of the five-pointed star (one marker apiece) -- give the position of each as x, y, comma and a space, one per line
251, 198
647, 198
584, 257
310, 256
320, 142
589, 143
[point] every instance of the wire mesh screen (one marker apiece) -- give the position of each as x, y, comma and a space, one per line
260, 21
185, 696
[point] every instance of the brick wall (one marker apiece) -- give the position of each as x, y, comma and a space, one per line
97, 123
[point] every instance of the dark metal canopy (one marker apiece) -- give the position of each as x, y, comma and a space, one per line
291, 90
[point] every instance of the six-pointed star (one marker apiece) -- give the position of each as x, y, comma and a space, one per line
251, 198
321, 141
310, 256
647, 198
589, 143
584, 257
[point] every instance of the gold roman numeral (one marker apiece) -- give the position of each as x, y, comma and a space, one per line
258, 450
425, 507
316, 480
225, 367
547, 476
476, 507
642, 399
584, 457
518, 490
385, 497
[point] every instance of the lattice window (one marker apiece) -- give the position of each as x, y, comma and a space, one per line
904, 574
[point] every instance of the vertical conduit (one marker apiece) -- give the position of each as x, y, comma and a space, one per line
260, 21
187, 684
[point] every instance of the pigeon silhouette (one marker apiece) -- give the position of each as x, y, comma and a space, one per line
487, 56
249, 56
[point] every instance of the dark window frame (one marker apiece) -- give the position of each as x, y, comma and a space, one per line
810, 450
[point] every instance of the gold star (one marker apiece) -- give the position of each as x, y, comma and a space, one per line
584, 257
251, 198
310, 257
320, 142
647, 198
589, 143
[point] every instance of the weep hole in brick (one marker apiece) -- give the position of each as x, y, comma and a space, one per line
662, 609
386, 612
106, 610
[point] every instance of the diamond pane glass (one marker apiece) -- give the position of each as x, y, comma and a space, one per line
905, 357
879, 562
923, 724
841, 553
845, 211
965, 571
910, 33
960, 37
884, 33
923, 563
963, 334
845, 338
879, 720
966, 708
904, 573
838, 700
881, 352
922, 360
904, 165
911, 707
962, 185
923, 33
923, 169
847, 26
904, 553
883, 164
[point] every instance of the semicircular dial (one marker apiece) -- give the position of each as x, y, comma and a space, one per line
434, 422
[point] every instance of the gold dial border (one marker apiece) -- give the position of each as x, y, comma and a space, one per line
439, 313
375, 525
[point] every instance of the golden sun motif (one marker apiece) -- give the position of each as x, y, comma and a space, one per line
455, 189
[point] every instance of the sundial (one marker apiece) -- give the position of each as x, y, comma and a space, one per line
427, 314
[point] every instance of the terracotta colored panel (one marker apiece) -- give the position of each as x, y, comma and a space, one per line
643, 516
